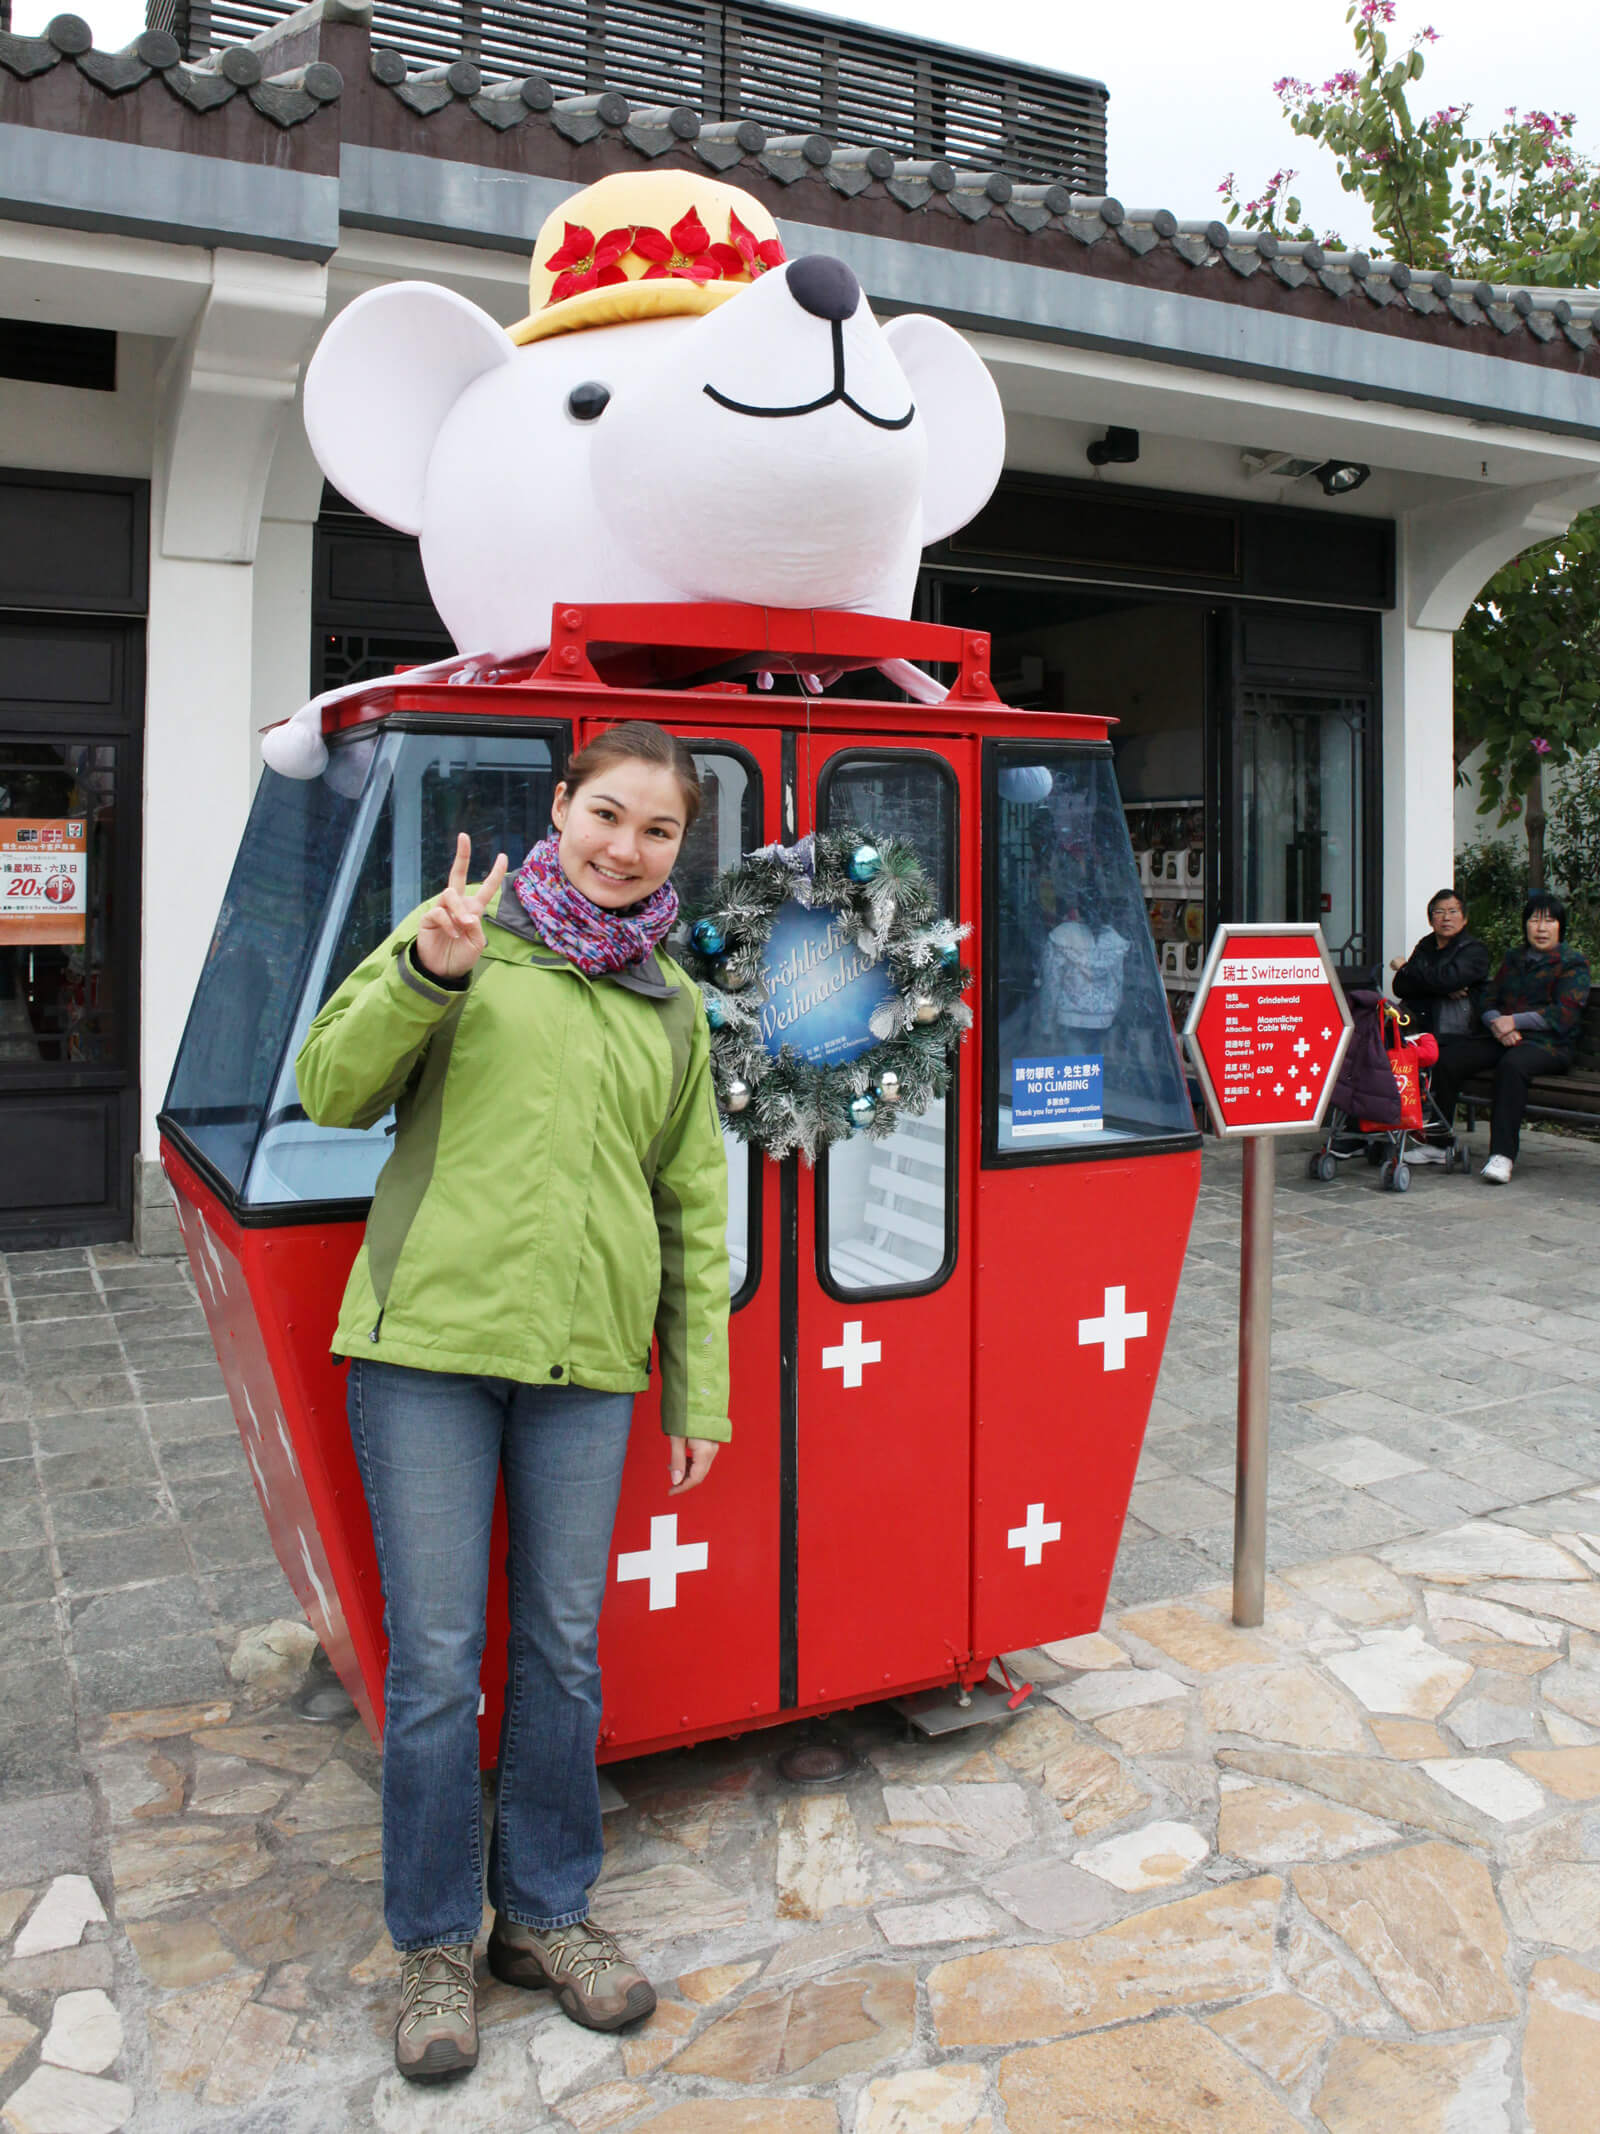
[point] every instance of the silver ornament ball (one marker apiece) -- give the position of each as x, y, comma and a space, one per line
924, 1010
737, 1095
889, 1086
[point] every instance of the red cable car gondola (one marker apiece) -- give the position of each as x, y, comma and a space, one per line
944, 1344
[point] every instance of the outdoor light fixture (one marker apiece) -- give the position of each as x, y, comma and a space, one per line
1340, 476
1337, 476
1284, 466
1118, 448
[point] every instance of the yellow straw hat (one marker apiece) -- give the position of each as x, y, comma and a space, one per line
647, 245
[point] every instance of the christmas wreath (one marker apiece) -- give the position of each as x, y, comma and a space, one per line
884, 905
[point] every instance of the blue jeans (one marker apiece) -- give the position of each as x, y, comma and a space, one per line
430, 1446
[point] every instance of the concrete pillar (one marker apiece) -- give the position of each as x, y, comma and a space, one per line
1418, 776
215, 635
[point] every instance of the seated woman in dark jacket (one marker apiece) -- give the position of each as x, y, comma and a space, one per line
1531, 1017
1442, 979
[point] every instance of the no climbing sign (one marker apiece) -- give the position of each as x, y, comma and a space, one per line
1268, 1029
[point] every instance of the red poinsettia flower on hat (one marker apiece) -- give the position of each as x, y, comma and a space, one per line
684, 255
583, 261
746, 253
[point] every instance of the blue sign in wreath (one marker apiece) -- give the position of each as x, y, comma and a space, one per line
820, 990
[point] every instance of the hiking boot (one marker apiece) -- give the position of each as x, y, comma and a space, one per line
1497, 1171
436, 2036
583, 1967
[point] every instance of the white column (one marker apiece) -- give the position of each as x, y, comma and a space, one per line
282, 627
1418, 776
216, 638
197, 784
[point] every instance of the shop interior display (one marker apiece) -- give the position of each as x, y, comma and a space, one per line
1169, 846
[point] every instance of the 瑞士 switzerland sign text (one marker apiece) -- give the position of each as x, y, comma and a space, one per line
1268, 1029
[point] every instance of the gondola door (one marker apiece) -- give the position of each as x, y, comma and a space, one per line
689, 1636
878, 1318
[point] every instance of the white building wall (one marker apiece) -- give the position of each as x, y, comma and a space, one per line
1418, 775
197, 784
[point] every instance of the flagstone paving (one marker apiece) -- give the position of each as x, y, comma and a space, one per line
1341, 1872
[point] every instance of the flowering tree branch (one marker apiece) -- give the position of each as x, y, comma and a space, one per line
1514, 203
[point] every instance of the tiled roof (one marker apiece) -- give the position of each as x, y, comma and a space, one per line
1044, 212
1043, 224
285, 98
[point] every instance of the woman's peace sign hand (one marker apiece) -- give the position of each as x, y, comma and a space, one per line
450, 938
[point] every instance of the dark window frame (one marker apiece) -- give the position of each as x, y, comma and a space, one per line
297, 1214
992, 1157
951, 890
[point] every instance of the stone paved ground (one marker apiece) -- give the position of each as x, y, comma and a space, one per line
1341, 1873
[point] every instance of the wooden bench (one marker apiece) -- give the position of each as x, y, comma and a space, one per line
1572, 1099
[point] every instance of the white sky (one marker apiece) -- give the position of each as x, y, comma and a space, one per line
1191, 85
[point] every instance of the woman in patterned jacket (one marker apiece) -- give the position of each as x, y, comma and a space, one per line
1535, 1005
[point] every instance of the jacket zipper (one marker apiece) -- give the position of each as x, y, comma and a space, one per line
378, 1326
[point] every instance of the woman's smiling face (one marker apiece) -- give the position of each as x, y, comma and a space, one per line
620, 833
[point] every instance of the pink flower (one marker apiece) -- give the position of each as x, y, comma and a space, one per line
1540, 747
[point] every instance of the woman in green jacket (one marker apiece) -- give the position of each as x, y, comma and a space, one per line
557, 1193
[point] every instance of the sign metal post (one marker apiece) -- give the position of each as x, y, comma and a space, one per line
1267, 1031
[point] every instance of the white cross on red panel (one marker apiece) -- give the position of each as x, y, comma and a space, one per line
852, 1354
1113, 1330
1032, 1537
664, 1562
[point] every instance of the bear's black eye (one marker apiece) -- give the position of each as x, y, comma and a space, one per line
588, 400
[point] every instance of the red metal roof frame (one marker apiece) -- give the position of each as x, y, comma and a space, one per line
656, 654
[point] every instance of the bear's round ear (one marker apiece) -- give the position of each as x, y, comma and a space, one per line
385, 375
956, 398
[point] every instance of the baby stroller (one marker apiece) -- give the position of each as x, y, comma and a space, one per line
1383, 1105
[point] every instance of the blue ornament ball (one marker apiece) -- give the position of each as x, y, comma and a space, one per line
714, 1015
863, 1109
866, 863
949, 954
708, 937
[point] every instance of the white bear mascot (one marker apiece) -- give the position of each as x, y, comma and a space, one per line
641, 436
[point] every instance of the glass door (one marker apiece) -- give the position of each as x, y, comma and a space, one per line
69, 933
1302, 791
883, 1339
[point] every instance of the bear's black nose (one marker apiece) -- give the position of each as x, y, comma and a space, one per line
824, 287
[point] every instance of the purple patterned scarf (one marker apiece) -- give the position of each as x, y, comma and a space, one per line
589, 936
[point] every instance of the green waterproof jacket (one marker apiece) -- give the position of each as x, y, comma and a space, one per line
558, 1186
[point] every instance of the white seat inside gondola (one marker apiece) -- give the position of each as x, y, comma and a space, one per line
886, 1205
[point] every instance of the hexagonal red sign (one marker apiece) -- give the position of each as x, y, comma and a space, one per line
1268, 1029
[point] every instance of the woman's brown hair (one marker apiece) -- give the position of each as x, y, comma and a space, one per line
637, 741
